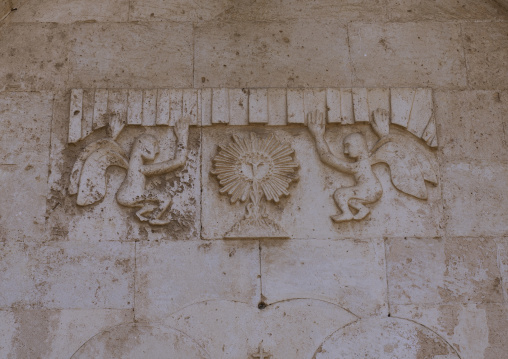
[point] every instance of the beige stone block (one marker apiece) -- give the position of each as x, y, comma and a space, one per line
166, 283
472, 125
421, 10
25, 119
439, 271
474, 198
340, 106
205, 104
245, 54
64, 11
258, 106
53, 333
348, 273
107, 219
220, 105
108, 55
100, 111
34, 57
163, 107
179, 10
288, 329
474, 330
135, 107
407, 55
149, 108
190, 106
486, 48
306, 212
346, 11
296, 106
238, 106
277, 107
84, 275
385, 338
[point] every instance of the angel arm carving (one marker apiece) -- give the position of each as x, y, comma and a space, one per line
159, 168
316, 125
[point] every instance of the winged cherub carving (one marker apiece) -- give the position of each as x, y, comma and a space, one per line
88, 177
408, 169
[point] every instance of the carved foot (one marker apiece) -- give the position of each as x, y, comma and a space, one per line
362, 213
158, 222
342, 217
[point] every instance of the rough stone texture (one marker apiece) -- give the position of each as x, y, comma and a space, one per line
433, 56
127, 229
245, 54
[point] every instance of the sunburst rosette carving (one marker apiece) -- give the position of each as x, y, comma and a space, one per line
255, 169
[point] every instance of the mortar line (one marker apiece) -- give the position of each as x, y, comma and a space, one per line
135, 275
260, 273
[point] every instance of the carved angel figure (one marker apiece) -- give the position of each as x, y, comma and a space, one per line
88, 176
408, 170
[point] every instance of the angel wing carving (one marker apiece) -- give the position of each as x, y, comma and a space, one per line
409, 170
88, 176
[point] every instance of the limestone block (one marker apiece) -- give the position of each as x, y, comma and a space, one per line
53, 333
385, 338
410, 10
288, 329
5, 8
486, 54
471, 125
244, 54
64, 11
348, 273
258, 106
407, 54
239, 106
435, 271
25, 119
340, 106
107, 55
84, 275
139, 340
277, 107
220, 105
166, 283
474, 198
345, 11
474, 330
106, 217
34, 57
306, 210
179, 10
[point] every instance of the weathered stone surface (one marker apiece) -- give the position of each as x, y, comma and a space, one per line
385, 338
432, 55
245, 54
421, 10
137, 340
219, 271
291, 328
472, 125
437, 271
68, 275
333, 271
486, 49
474, 330
25, 119
283, 10
109, 218
502, 251
53, 333
474, 198
310, 199
107, 55
64, 11
180, 10
34, 56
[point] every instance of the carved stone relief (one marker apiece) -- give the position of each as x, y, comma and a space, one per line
256, 168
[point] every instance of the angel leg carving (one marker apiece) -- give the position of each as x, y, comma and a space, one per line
341, 197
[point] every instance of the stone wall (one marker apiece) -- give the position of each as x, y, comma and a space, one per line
168, 191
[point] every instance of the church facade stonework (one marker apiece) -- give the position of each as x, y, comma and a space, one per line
254, 179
